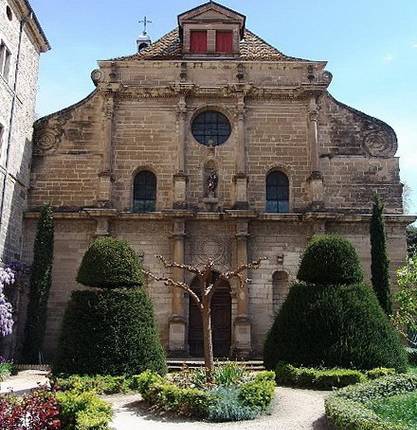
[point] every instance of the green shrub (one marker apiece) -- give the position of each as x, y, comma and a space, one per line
412, 355
379, 372
350, 408
110, 263
228, 406
330, 260
40, 285
265, 375
257, 394
319, 379
109, 332
333, 326
143, 382
83, 411
100, 384
6, 369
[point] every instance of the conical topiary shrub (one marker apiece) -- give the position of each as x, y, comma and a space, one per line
332, 324
110, 330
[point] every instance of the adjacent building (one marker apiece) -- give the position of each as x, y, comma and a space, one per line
22, 40
211, 143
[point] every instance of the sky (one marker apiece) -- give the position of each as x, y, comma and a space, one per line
370, 46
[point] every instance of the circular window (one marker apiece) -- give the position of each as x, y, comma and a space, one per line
9, 13
211, 128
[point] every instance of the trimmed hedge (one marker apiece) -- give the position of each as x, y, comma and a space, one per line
109, 332
318, 379
330, 260
110, 263
100, 384
350, 407
333, 326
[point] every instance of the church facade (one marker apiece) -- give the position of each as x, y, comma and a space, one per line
211, 143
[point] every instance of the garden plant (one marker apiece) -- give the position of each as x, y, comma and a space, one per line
109, 329
331, 318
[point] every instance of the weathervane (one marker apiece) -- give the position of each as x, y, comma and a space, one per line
145, 21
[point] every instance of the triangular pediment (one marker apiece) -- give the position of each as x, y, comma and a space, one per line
209, 12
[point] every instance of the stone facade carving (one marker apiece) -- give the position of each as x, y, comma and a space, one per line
379, 144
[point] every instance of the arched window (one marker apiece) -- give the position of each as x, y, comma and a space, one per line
144, 192
279, 289
277, 192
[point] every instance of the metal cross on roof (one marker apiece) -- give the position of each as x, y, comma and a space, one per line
145, 21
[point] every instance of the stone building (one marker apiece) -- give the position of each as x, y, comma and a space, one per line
21, 43
211, 143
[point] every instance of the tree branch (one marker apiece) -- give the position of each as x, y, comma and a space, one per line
173, 264
169, 282
237, 273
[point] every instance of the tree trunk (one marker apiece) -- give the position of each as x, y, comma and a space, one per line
208, 341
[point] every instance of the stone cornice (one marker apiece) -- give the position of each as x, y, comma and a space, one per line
249, 215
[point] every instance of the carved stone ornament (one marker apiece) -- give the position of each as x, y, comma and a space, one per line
216, 248
97, 76
379, 144
45, 141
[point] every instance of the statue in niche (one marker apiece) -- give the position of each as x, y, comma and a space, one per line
212, 182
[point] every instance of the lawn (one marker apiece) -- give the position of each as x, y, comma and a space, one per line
398, 409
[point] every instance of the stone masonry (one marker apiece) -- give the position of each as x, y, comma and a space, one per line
282, 118
22, 41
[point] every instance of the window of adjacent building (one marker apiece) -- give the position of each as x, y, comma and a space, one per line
1, 139
224, 42
198, 42
211, 128
277, 192
280, 287
144, 192
5, 57
9, 13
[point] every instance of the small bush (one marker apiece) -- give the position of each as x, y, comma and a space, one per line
109, 332
110, 263
257, 394
412, 355
333, 326
228, 374
100, 384
379, 372
351, 408
6, 369
330, 260
37, 410
83, 411
228, 406
319, 379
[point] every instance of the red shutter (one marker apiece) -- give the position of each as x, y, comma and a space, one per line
224, 41
199, 42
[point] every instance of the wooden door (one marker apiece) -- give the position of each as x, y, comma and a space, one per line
221, 320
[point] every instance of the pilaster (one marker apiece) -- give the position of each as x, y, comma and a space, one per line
177, 323
242, 345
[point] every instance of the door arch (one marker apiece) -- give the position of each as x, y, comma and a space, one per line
221, 321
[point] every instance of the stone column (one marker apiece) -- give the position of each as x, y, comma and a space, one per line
177, 323
241, 179
180, 178
316, 179
242, 326
106, 173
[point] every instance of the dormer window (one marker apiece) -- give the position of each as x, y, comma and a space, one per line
224, 42
211, 31
198, 42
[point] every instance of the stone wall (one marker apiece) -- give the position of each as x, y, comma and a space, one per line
15, 162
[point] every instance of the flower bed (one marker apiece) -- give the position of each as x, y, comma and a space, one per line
48, 410
356, 407
234, 394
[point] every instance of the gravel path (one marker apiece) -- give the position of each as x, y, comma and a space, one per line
292, 409
24, 381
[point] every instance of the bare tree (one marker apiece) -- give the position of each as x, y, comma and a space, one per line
209, 285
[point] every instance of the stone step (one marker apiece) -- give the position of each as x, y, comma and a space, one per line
193, 363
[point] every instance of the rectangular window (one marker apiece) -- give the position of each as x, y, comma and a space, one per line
5, 57
224, 42
198, 42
